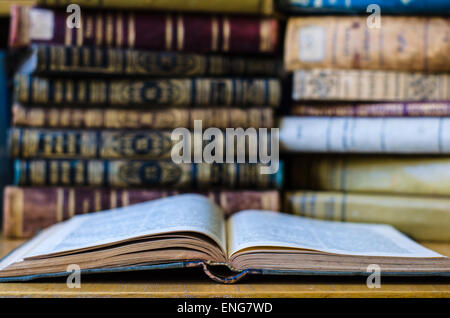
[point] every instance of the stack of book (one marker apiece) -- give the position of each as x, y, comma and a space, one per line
98, 95
370, 114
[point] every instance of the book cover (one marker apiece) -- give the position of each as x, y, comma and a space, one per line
124, 144
369, 86
58, 60
418, 175
365, 135
5, 164
336, 42
170, 31
132, 173
424, 218
149, 92
28, 210
414, 109
125, 118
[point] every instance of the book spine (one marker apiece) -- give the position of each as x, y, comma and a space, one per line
85, 144
419, 7
357, 85
114, 144
63, 60
427, 109
365, 135
402, 44
422, 218
30, 209
157, 92
220, 6
168, 118
160, 173
5, 165
395, 175
170, 31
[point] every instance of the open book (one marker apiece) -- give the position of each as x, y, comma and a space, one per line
188, 231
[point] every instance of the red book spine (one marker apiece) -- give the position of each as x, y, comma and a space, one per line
28, 210
145, 30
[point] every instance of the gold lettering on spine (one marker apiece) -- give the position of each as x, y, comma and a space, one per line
89, 27
169, 32
81, 91
131, 31
58, 91
264, 36
113, 199
76, 57
68, 36
23, 88
40, 91
80, 33
98, 201
109, 29
59, 204
214, 33
85, 207
226, 34
71, 202
16, 210
125, 198
69, 91
99, 30
180, 33
119, 29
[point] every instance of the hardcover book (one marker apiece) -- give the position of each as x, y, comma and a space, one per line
190, 231
69, 60
336, 42
125, 118
120, 144
169, 31
415, 109
416, 175
228, 6
133, 173
157, 92
424, 218
27, 210
409, 7
365, 135
367, 85
5, 164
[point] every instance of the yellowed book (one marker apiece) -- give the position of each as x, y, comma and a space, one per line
5, 5
402, 175
226, 6
422, 218
338, 42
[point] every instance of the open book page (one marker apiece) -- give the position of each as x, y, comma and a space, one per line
254, 228
189, 212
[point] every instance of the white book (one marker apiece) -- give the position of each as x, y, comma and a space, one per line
365, 135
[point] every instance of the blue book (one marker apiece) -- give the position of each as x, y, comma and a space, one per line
425, 7
187, 231
5, 172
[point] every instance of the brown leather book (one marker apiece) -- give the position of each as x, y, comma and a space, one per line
338, 42
124, 118
30, 209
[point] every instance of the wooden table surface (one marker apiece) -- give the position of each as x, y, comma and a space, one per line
192, 283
